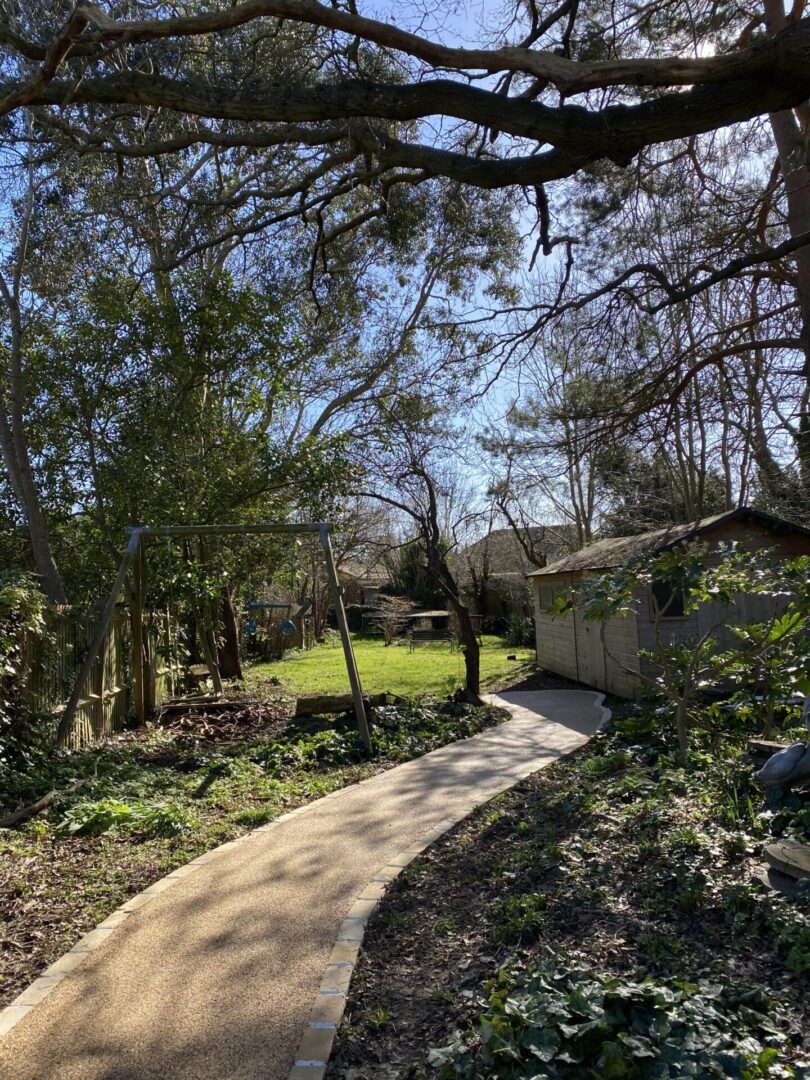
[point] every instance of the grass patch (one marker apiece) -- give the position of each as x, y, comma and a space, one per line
603, 919
431, 669
159, 800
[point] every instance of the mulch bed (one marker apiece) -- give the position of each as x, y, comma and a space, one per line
54, 889
223, 725
442, 930
39, 914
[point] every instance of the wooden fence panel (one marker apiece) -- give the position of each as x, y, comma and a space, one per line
106, 704
166, 671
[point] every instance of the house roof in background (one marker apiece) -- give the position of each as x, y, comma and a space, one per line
366, 573
500, 544
607, 553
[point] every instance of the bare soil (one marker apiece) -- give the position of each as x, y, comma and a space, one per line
547, 870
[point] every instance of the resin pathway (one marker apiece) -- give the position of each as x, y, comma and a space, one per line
215, 978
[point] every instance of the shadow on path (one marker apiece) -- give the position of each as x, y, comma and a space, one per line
215, 978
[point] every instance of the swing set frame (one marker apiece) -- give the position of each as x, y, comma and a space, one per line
135, 559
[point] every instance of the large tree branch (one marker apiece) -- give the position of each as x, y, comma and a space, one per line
569, 76
615, 132
764, 82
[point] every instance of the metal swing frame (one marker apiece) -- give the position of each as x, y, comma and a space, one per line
134, 558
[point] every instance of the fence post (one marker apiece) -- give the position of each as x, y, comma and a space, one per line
348, 651
66, 722
138, 673
149, 666
101, 687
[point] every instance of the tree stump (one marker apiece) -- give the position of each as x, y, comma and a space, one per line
789, 857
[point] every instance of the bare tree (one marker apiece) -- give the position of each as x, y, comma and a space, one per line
388, 615
790, 132
409, 456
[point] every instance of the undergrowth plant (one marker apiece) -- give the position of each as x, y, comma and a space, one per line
147, 820
762, 674
555, 1022
22, 619
519, 629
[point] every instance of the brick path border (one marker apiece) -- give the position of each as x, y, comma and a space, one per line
315, 1048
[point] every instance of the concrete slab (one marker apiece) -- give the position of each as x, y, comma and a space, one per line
216, 977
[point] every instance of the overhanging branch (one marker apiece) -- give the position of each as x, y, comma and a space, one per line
770, 76
568, 76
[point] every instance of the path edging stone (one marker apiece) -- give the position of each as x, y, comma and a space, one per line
317, 1042
352, 929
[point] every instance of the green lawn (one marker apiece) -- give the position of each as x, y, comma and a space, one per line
432, 668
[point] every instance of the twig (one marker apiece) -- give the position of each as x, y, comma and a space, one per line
10, 941
43, 803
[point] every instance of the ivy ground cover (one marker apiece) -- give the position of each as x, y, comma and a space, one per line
605, 919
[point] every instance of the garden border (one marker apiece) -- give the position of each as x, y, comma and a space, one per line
315, 1048
331, 1000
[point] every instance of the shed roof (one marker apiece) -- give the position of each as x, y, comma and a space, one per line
606, 553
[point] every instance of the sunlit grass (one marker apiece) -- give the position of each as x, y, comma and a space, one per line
432, 668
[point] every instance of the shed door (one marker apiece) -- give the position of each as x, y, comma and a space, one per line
590, 654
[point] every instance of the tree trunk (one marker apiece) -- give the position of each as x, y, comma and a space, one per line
682, 725
229, 663
207, 643
21, 478
13, 436
443, 576
472, 655
790, 130
770, 711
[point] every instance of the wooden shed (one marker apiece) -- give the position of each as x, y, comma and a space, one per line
574, 648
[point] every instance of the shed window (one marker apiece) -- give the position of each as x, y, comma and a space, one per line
545, 597
666, 600
562, 591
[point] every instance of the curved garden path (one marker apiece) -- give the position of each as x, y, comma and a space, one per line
216, 976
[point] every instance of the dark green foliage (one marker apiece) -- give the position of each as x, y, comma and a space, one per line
22, 622
400, 732
519, 630
643, 492
410, 577
179, 768
572, 1024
